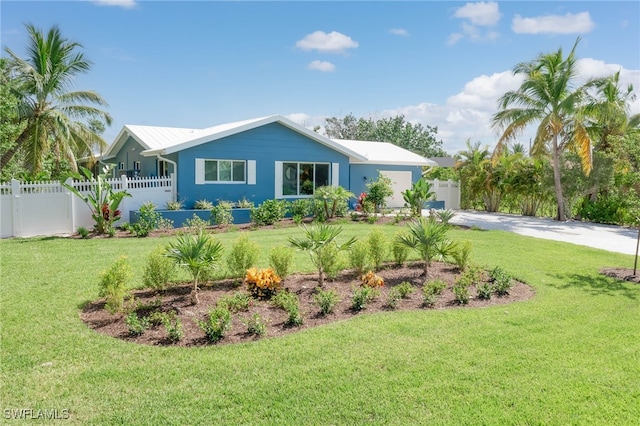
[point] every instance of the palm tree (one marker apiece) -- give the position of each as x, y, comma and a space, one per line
50, 111
196, 253
547, 97
429, 238
317, 240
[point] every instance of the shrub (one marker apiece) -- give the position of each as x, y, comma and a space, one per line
502, 281
379, 190
436, 286
300, 208
326, 300
175, 205
113, 285
217, 324
244, 204
428, 297
256, 325
262, 283
136, 326
404, 289
462, 255
377, 247
159, 317
159, 270
372, 280
203, 205
362, 296
243, 255
332, 259
196, 224
472, 275
358, 257
148, 220
444, 216
83, 232
237, 302
280, 259
221, 214
484, 290
400, 253
461, 292
269, 212
173, 326
290, 304
393, 297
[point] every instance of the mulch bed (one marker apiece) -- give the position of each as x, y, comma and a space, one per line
177, 299
622, 274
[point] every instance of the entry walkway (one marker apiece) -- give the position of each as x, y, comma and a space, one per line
612, 238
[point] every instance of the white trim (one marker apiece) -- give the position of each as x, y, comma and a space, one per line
199, 171
277, 178
251, 172
335, 174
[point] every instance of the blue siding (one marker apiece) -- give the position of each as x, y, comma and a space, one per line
130, 152
266, 145
360, 174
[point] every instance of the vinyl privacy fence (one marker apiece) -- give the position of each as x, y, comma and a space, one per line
28, 209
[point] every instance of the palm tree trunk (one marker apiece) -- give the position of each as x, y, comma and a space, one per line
7, 156
556, 180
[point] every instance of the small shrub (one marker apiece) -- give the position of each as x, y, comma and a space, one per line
377, 247
471, 275
428, 298
221, 214
326, 300
332, 260
462, 255
113, 285
370, 279
262, 283
436, 286
175, 205
256, 325
217, 324
502, 281
148, 220
203, 205
244, 204
196, 224
136, 326
290, 304
461, 292
159, 317
400, 253
393, 297
404, 289
237, 302
243, 256
358, 257
83, 232
443, 216
159, 270
173, 327
362, 296
280, 259
484, 290
269, 212
300, 208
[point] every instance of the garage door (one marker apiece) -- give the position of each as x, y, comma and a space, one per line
400, 181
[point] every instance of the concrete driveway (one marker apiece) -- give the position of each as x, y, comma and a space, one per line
606, 237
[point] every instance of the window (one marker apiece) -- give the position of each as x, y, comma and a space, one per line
136, 165
220, 171
162, 168
121, 165
300, 179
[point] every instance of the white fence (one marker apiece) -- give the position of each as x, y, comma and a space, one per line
47, 208
447, 191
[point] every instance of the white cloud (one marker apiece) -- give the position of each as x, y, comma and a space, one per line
481, 13
570, 23
399, 31
125, 4
323, 66
477, 17
333, 42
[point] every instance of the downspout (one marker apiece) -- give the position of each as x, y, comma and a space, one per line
174, 194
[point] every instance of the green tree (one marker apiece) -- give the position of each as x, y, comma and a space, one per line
378, 191
196, 253
428, 238
52, 115
331, 197
413, 137
547, 96
10, 125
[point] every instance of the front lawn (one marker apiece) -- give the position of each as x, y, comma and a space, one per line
571, 355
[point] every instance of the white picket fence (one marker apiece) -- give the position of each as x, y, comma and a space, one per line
28, 209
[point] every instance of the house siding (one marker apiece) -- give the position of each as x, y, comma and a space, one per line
361, 174
130, 152
266, 145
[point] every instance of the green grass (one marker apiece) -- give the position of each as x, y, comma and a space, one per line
571, 355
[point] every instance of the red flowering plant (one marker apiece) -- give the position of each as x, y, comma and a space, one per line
363, 205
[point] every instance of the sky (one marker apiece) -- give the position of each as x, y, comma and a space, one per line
438, 63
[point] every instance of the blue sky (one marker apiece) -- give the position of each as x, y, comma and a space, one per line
198, 64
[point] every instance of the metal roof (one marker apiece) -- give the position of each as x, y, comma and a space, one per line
384, 153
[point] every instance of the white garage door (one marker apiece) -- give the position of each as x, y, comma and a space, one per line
400, 181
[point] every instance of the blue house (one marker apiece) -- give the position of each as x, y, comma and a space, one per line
259, 159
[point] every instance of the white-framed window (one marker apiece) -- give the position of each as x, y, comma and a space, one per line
136, 165
163, 168
225, 171
301, 179
121, 165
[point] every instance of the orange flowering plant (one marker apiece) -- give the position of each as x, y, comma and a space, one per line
262, 283
371, 280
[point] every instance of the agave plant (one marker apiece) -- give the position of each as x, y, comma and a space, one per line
316, 241
196, 253
429, 238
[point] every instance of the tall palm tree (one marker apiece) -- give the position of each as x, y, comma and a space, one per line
547, 96
51, 112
